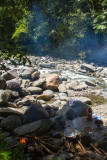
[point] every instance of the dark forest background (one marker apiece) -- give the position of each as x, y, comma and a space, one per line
71, 29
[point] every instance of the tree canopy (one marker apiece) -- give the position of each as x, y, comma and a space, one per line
55, 27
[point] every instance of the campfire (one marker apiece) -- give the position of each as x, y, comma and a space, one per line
80, 138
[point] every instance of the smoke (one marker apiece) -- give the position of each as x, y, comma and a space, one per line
38, 29
46, 39
98, 56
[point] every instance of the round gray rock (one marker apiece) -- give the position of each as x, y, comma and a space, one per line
2, 83
49, 92
35, 112
34, 90
13, 84
11, 122
39, 83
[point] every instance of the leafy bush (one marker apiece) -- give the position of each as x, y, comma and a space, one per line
17, 153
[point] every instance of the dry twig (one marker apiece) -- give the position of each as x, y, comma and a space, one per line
82, 148
62, 148
95, 148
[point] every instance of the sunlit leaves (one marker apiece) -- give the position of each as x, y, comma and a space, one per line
100, 22
5, 155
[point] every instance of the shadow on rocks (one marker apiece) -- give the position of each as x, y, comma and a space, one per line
69, 112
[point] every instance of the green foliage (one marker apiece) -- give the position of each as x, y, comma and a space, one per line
3, 142
17, 153
5, 155
100, 22
43, 26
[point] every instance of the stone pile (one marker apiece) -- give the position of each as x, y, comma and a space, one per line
35, 99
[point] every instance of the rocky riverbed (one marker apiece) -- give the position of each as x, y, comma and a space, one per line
35, 99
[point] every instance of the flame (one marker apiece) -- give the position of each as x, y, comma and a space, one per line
36, 138
23, 140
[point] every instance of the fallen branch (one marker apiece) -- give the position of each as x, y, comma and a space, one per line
49, 145
38, 148
82, 148
62, 148
45, 148
95, 148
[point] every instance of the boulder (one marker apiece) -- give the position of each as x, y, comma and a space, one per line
27, 74
35, 128
71, 114
3, 97
88, 67
24, 92
15, 94
62, 95
54, 71
34, 90
39, 83
70, 93
90, 83
10, 74
13, 84
8, 93
78, 107
35, 75
62, 88
52, 82
59, 122
44, 97
2, 83
27, 100
72, 85
63, 102
64, 99
7, 111
1, 118
56, 103
51, 111
47, 65
83, 99
49, 92
35, 112
81, 87
25, 83
11, 122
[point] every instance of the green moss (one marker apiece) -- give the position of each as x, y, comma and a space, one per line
96, 99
